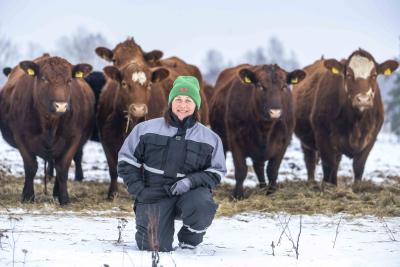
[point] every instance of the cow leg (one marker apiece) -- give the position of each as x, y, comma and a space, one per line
56, 189
239, 161
78, 164
112, 155
61, 181
272, 172
50, 168
330, 165
334, 173
30, 167
329, 156
310, 159
62, 165
259, 170
113, 189
359, 161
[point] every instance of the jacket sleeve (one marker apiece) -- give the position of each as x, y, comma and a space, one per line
130, 159
211, 176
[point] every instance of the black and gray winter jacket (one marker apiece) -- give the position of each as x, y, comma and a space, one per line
155, 155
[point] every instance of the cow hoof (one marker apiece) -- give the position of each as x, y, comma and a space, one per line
271, 190
327, 186
78, 179
262, 185
63, 201
78, 176
111, 196
238, 195
56, 193
357, 187
28, 198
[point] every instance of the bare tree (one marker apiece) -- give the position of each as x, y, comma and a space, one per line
9, 54
214, 64
80, 47
256, 57
273, 53
34, 50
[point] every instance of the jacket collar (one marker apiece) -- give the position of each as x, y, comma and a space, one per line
186, 123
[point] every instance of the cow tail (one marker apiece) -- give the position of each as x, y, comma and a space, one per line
45, 177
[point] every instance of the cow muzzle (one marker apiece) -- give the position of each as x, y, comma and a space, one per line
363, 101
275, 113
138, 110
60, 107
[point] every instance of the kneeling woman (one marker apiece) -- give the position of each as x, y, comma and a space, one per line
170, 165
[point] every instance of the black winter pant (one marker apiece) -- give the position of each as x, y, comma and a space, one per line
155, 222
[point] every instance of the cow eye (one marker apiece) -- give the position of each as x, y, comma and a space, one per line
373, 76
149, 86
124, 85
349, 77
69, 81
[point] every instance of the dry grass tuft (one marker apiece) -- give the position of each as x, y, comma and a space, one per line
300, 197
294, 197
86, 197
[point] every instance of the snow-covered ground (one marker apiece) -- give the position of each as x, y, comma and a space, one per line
244, 240
70, 239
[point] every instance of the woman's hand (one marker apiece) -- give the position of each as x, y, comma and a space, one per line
180, 187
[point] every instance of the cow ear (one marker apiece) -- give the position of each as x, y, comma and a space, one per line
153, 55
388, 67
81, 70
30, 67
334, 66
7, 71
113, 73
247, 76
159, 74
105, 53
295, 76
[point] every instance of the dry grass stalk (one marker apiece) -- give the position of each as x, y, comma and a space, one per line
337, 231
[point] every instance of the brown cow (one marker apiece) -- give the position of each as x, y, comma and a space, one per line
251, 110
129, 51
47, 111
339, 110
129, 97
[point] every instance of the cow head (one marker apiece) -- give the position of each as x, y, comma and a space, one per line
128, 52
359, 73
270, 84
135, 83
53, 81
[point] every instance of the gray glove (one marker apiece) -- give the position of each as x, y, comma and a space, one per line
180, 187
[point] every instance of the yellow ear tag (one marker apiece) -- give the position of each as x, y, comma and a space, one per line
247, 79
31, 72
335, 70
294, 80
78, 74
387, 72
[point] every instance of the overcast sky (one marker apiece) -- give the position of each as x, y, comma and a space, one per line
188, 29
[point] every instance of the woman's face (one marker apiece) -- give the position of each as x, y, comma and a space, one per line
183, 106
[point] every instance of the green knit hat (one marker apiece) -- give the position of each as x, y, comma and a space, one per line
186, 85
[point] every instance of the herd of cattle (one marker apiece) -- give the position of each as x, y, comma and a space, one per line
50, 108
